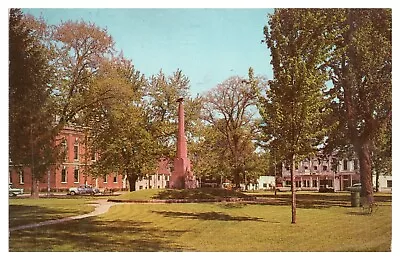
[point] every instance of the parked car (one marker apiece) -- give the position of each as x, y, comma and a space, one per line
280, 188
14, 191
355, 187
326, 188
83, 189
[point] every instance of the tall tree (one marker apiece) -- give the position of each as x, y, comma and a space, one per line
361, 71
294, 107
229, 108
211, 160
76, 51
31, 142
160, 99
118, 127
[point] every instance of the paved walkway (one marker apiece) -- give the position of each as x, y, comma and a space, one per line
101, 207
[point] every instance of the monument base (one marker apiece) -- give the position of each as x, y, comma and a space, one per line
182, 177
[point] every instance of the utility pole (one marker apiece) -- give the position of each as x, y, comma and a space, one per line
48, 183
275, 174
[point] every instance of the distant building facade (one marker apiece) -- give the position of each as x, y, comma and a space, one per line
315, 173
70, 172
384, 181
159, 180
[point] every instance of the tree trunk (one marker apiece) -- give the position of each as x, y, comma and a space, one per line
132, 178
35, 188
364, 156
236, 177
377, 181
293, 187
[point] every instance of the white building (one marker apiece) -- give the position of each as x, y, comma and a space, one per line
155, 181
385, 183
263, 183
158, 180
266, 182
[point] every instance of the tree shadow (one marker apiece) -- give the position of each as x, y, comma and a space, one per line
207, 216
312, 201
23, 214
199, 193
95, 235
358, 213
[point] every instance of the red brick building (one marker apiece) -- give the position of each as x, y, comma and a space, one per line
70, 172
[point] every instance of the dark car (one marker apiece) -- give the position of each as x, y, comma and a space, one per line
326, 188
355, 187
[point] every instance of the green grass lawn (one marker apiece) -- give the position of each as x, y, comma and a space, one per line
324, 223
24, 211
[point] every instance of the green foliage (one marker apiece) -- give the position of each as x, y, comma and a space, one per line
294, 107
118, 128
228, 110
31, 141
361, 71
162, 109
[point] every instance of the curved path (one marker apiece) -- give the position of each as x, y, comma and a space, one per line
101, 207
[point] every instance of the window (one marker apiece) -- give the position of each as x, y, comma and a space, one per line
389, 183
305, 167
150, 177
315, 168
76, 175
105, 178
298, 183
166, 177
115, 178
314, 183
93, 155
158, 178
288, 183
141, 187
355, 164
344, 165
63, 175
76, 149
325, 168
65, 149
21, 177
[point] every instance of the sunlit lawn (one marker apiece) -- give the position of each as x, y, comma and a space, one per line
326, 222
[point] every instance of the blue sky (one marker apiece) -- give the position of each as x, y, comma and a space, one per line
209, 45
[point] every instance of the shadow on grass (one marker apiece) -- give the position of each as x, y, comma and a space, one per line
24, 214
358, 213
313, 201
207, 216
93, 235
200, 193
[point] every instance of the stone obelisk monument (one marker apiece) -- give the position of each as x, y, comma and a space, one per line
182, 176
